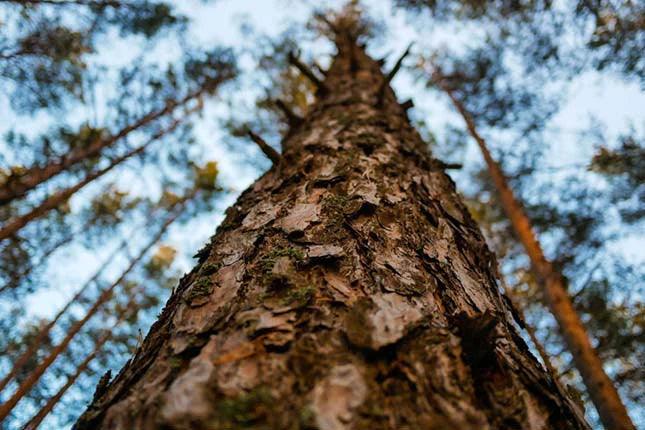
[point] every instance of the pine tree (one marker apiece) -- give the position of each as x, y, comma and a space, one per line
554, 286
347, 288
60, 197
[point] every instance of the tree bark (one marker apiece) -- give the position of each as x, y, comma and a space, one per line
27, 384
348, 288
602, 391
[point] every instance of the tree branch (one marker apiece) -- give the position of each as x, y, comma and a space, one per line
293, 119
320, 85
271, 153
319, 68
407, 105
393, 72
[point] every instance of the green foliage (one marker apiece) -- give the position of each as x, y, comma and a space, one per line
46, 64
146, 18
540, 31
624, 168
109, 208
46, 59
495, 97
206, 176
209, 68
55, 42
160, 261
628, 159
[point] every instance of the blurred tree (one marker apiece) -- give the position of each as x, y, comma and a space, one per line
200, 77
555, 35
604, 288
624, 167
37, 419
554, 285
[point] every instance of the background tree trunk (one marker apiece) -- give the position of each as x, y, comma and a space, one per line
14, 225
600, 387
34, 376
347, 288
18, 185
37, 342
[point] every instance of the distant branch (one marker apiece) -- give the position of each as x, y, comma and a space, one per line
393, 72
112, 3
407, 105
293, 119
268, 150
319, 68
293, 59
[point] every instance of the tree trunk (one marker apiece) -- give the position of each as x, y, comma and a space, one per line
130, 310
348, 288
17, 186
27, 384
37, 419
601, 389
44, 331
14, 225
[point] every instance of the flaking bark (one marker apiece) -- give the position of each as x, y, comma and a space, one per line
348, 288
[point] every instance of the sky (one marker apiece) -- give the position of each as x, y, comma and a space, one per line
619, 104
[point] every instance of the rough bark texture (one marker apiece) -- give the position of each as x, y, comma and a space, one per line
602, 391
348, 288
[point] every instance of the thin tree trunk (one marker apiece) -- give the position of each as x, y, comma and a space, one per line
55, 200
26, 273
37, 419
36, 343
18, 185
601, 390
348, 288
35, 375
